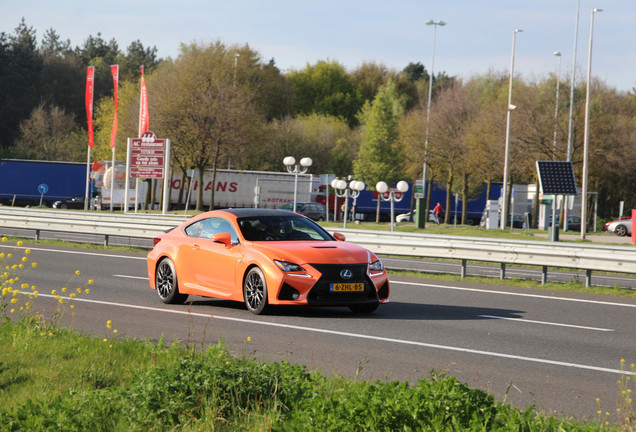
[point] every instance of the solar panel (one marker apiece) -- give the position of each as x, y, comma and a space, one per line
556, 177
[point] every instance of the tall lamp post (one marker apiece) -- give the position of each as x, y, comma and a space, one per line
347, 190
586, 141
556, 105
393, 196
236, 57
421, 221
511, 107
290, 163
572, 79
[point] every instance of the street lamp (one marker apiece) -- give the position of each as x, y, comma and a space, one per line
422, 220
556, 105
290, 163
586, 141
572, 78
511, 107
347, 190
236, 57
400, 188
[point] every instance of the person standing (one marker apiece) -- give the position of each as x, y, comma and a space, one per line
437, 211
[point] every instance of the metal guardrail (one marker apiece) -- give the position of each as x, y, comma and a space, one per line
103, 224
586, 257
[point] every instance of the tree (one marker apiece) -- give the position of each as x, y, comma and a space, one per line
20, 68
136, 56
380, 158
197, 104
314, 135
325, 88
415, 72
369, 77
51, 134
53, 45
455, 109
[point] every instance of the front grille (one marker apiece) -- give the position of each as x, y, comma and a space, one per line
331, 273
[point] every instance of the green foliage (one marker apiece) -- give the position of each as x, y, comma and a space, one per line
380, 158
50, 133
325, 88
315, 135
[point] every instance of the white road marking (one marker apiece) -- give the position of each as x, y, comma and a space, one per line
357, 336
77, 252
485, 291
547, 323
132, 277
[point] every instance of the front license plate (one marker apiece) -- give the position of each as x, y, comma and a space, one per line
347, 287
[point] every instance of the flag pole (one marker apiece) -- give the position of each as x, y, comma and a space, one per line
113, 138
88, 101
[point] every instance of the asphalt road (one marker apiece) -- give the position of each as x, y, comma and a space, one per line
556, 350
419, 265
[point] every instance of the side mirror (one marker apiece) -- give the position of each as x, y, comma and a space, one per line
339, 236
224, 238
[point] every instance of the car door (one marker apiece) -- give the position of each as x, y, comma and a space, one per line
211, 266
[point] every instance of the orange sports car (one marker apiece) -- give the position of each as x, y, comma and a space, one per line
263, 258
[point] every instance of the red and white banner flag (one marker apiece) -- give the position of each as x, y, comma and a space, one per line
144, 117
90, 80
115, 71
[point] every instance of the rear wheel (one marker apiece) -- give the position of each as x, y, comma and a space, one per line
166, 283
255, 291
621, 230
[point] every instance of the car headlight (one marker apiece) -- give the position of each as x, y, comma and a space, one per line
376, 266
288, 267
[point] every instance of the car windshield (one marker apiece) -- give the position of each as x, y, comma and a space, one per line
281, 228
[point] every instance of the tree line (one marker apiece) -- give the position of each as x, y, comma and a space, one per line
225, 106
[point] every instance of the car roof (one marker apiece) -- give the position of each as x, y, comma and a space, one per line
250, 212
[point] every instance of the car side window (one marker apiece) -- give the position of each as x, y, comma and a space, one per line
195, 229
206, 228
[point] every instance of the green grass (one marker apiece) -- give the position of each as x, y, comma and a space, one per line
57, 379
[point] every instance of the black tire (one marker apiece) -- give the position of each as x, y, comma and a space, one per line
255, 291
365, 308
63, 206
621, 231
470, 222
166, 283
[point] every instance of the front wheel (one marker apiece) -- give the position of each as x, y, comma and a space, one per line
166, 283
255, 291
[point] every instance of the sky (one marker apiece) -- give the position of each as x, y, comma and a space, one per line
476, 39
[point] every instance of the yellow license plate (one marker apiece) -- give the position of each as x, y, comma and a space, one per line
347, 287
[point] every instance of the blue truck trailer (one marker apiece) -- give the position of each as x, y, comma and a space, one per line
29, 182
365, 204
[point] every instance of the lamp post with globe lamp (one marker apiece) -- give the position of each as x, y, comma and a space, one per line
293, 168
347, 190
393, 196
